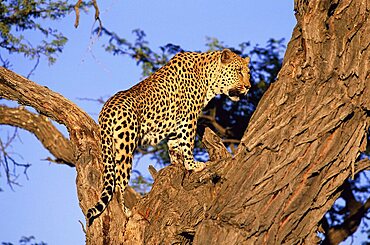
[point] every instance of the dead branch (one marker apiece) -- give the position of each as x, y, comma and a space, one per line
97, 14
77, 11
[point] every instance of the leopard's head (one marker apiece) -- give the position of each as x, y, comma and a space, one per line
234, 75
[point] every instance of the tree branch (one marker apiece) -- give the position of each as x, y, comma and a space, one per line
356, 210
214, 146
214, 123
97, 14
43, 129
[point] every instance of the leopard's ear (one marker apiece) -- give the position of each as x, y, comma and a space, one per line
226, 56
247, 59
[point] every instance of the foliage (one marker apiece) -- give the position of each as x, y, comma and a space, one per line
19, 17
139, 50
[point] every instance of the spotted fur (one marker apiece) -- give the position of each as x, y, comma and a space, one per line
165, 105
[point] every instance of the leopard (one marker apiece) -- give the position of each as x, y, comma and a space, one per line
164, 106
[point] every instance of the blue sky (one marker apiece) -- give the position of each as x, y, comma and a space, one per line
46, 205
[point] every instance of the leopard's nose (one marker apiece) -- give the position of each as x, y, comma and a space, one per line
247, 83
244, 90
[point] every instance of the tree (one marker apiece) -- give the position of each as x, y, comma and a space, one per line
301, 144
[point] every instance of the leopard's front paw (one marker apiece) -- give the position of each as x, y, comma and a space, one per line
128, 212
199, 166
195, 166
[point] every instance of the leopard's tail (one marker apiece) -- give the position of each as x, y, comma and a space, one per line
108, 177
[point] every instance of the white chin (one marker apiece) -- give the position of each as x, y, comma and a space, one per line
234, 98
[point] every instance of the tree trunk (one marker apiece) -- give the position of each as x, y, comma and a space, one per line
301, 144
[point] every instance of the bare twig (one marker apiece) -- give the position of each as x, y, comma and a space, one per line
100, 100
5, 62
7, 160
82, 226
35, 66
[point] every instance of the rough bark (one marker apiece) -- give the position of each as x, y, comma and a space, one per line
300, 146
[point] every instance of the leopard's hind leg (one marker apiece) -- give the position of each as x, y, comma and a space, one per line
125, 143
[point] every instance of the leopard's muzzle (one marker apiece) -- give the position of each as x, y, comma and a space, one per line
236, 93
